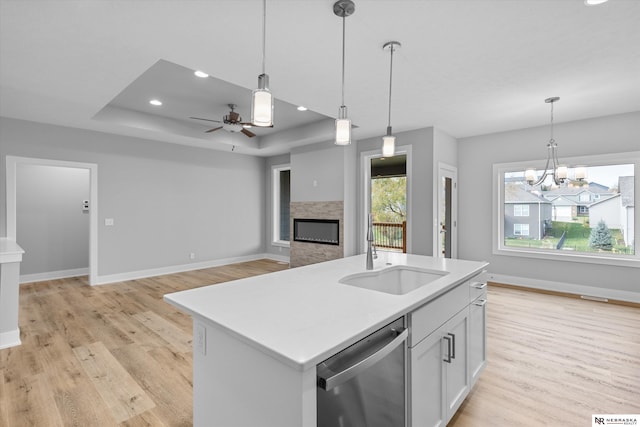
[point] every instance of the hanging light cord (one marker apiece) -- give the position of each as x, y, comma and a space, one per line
390, 83
264, 34
551, 139
344, 15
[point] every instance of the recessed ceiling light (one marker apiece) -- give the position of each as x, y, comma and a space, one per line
594, 2
201, 74
302, 108
155, 102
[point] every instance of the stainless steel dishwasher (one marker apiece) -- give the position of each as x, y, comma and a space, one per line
364, 385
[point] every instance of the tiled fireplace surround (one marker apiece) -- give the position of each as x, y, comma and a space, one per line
304, 253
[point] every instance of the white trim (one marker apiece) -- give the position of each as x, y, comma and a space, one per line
449, 171
10, 339
571, 288
141, 274
275, 214
53, 275
12, 166
498, 247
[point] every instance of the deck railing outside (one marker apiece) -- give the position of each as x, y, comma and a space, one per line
390, 235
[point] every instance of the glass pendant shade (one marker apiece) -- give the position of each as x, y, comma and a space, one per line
262, 104
530, 175
343, 131
343, 127
581, 173
388, 145
561, 173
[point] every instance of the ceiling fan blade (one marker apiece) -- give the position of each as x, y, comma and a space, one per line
213, 130
206, 120
248, 133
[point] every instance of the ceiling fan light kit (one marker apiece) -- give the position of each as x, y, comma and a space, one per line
262, 99
342, 9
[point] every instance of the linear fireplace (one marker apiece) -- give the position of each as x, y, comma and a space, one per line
322, 231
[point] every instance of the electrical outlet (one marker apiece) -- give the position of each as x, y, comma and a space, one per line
200, 339
192, 255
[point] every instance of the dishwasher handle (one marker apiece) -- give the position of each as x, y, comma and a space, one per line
327, 383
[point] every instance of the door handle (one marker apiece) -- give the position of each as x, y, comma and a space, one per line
329, 382
479, 285
448, 358
480, 302
453, 345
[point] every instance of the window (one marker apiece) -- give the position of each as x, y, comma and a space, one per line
521, 229
592, 220
521, 210
281, 180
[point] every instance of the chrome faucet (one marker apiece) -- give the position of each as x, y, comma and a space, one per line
371, 249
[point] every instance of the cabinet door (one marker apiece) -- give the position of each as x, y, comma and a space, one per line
427, 382
457, 372
477, 337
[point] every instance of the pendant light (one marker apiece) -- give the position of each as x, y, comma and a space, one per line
343, 8
557, 171
389, 141
262, 99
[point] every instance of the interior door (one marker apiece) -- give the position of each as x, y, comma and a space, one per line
447, 215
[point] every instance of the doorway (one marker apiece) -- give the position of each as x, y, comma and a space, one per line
386, 190
88, 205
447, 212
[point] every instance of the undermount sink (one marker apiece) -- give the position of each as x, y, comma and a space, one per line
396, 280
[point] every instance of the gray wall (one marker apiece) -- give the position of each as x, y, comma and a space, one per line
476, 156
51, 225
166, 200
317, 173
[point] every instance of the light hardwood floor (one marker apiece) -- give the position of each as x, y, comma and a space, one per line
118, 355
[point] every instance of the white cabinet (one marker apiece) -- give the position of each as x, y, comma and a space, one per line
447, 352
478, 330
439, 373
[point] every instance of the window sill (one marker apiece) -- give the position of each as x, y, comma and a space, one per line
281, 243
568, 256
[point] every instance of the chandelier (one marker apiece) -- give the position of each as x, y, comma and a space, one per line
553, 168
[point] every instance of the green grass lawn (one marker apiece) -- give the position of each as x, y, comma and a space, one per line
577, 239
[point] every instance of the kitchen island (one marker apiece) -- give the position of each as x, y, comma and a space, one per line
257, 341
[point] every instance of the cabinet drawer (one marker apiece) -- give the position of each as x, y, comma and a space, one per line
432, 315
478, 287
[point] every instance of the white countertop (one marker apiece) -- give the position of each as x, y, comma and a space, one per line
304, 315
10, 251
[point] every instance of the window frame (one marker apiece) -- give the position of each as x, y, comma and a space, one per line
275, 194
499, 248
521, 226
521, 210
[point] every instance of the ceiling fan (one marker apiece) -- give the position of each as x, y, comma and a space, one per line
231, 122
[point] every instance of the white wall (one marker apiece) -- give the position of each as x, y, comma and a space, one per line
52, 227
476, 156
166, 200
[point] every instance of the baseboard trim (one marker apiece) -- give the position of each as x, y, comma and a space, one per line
141, 274
53, 275
613, 296
10, 339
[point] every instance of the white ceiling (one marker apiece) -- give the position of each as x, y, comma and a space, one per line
467, 67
